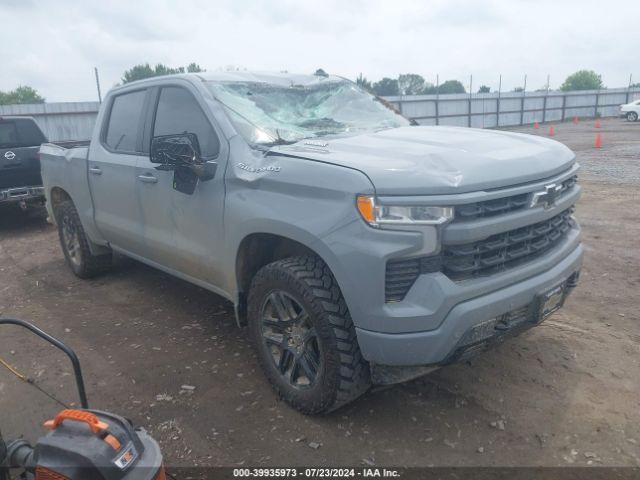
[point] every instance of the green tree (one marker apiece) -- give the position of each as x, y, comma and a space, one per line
363, 83
194, 68
321, 73
22, 94
484, 89
429, 89
634, 85
144, 70
386, 87
410, 84
451, 86
582, 80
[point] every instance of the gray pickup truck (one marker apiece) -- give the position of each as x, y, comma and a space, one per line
358, 249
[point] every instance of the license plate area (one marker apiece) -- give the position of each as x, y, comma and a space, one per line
550, 301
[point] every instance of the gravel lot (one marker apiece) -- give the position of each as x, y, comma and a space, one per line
565, 393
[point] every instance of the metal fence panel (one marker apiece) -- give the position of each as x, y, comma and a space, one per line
419, 109
59, 121
487, 110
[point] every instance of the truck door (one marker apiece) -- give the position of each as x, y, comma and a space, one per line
183, 232
112, 171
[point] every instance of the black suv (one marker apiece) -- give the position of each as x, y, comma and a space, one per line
20, 180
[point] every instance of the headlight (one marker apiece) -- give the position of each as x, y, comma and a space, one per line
376, 215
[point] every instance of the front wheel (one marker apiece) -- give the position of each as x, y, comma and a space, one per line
75, 244
632, 116
304, 335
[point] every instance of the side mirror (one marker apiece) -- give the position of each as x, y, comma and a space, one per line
181, 151
176, 150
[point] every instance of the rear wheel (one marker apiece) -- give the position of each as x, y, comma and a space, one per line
75, 244
632, 116
304, 335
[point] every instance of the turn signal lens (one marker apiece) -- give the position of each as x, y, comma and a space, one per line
366, 207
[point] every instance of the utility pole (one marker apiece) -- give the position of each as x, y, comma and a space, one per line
524, 90
95, 69
544, 102
470, 94
498, 102
438, 99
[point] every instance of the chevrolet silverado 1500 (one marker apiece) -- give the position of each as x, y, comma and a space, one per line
357, 248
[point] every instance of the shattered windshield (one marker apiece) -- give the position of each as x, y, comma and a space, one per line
267, 113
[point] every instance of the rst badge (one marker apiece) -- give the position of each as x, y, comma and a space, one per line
547, 197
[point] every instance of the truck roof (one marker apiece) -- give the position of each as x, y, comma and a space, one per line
276, 78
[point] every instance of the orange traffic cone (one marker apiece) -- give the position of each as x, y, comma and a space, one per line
552, 131
536, 125
598, 141
598, 123
576, 120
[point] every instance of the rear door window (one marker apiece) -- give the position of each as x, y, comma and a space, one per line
124, 121
20, 132
8, 134
179, 112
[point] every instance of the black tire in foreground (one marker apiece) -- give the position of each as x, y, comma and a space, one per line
75, 244
632, 116
304, 335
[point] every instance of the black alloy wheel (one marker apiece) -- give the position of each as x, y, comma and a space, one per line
292, 340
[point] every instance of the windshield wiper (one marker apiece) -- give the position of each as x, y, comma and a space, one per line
279, 140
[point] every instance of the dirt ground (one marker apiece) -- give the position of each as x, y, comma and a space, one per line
565, 393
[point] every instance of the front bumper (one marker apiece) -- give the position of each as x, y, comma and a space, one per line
449, 341
19, 194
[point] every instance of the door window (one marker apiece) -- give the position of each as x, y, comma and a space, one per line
8, 134
124, 120
20, 132
179, 112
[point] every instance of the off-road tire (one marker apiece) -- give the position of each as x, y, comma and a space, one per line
344, 374
87, 265
632, 116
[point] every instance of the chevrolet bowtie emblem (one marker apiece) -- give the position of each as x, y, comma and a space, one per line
547, 197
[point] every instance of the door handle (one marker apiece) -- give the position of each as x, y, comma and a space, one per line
95, 170
147, 178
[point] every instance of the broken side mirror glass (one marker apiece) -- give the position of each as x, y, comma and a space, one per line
181, 151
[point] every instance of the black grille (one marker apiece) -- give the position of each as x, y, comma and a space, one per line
502, 205
505, 250
401, 274
489, 208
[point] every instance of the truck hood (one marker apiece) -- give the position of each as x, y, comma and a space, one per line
439, 160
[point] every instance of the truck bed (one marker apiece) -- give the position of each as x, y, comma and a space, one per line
66, 168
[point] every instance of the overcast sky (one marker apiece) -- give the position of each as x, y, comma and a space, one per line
54, 45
